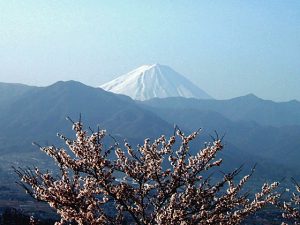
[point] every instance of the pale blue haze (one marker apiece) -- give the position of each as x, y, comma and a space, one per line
228, 48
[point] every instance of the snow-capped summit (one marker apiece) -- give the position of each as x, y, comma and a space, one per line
151, 81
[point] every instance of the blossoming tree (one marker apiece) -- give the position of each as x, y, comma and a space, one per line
159, 182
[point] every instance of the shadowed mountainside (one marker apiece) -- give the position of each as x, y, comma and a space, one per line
272, 140
37, 114
244, 108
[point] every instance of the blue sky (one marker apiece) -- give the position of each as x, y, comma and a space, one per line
228, 48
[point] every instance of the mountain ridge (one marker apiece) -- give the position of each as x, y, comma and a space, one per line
37, 115
243, 108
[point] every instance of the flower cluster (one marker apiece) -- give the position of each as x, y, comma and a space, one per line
159, 182
291, 209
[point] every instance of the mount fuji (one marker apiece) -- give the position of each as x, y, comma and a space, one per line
154, 81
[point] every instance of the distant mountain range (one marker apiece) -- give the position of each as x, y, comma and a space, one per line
256, 130
154, 81
244, 108
262, 128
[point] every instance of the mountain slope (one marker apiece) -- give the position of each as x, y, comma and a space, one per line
37, 115
244, 108
40, 114
267, 144
9, 92
151, 81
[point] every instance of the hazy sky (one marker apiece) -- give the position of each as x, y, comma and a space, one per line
228, 48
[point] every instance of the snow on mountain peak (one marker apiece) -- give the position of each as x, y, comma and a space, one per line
151, 81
